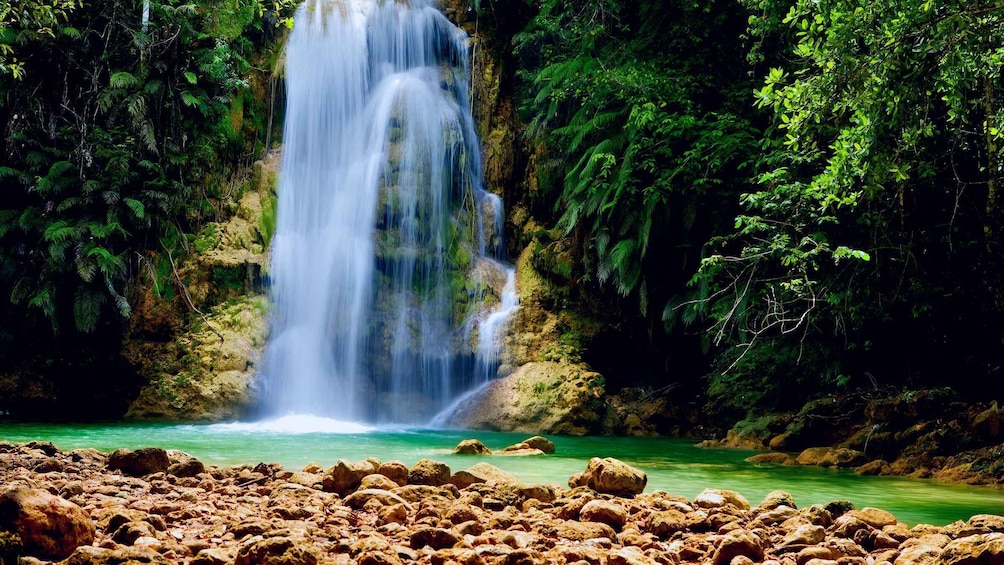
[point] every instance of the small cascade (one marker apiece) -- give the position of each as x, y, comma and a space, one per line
490, 330
382, 219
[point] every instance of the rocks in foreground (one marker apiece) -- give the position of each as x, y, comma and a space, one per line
269, 515
46, 525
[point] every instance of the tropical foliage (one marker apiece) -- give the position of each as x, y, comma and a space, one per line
871, 248
114, 131
641, 127
846, 201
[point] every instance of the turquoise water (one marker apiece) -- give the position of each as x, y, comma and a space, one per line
673, 465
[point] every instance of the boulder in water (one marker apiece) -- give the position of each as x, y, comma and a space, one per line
471, 447
541, 443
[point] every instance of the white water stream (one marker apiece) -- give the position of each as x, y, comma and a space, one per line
381, 213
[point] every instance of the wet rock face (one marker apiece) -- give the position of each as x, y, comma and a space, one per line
540, 397
49, 527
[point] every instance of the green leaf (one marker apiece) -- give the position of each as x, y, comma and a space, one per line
122, 79
136, 206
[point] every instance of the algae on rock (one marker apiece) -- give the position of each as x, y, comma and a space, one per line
539, 397
198, 351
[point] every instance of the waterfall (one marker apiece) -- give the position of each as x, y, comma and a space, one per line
381, 218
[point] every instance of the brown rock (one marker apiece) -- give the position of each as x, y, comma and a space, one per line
460, 512
187, 466
987, 424
344, 476
985, 523
808, 534
90, 555
785, 441
429, 472
139, 462
777, 498
612, 476
583, 531
874, 517
471, 447
359, 498
436, 538
772, 458
812, 455
395, 471
573, 403
842, 547
717, 498
776, 515
831, 457
417, 493
276, 551
876, 467
214, 556
378, 481
541, 443
629, 556
920, 554
605, 511
735, 543
666, 522
482, 473
975, 549
543, 493
49, 527
128, 533
847, 525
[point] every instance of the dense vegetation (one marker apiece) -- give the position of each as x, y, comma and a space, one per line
782, 198
811, 186
121, 124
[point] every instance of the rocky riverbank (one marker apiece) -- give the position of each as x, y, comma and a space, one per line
152, 506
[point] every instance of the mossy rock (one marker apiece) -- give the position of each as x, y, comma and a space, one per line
542, 397
206, 373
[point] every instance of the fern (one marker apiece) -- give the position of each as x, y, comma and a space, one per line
122, 79
8, 221
137, 207
111, 266
86, 269
87, 310
60, 231
44, 300
191, 100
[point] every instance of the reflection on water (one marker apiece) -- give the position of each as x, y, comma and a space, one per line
672, 465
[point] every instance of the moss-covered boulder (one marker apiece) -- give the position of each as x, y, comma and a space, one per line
540, 397
204, 374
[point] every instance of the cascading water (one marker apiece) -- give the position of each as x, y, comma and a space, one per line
381, 219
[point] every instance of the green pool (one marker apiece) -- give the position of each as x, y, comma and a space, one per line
672, 465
